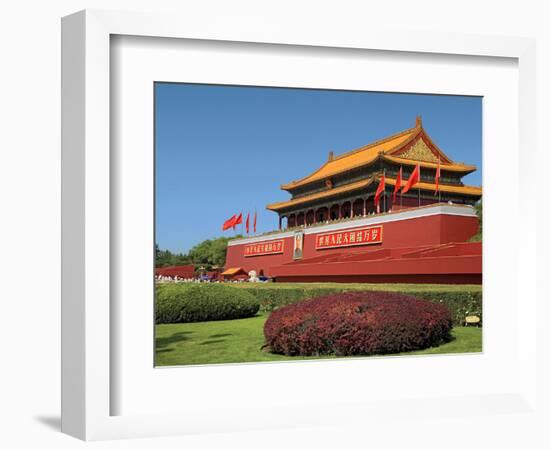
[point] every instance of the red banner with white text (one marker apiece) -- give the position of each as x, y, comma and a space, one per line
264, 248
348, 238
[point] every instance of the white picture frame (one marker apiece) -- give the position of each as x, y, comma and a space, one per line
87, 325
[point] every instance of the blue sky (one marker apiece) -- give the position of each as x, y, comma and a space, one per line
225, 149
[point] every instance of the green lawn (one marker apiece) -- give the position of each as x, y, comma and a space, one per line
231, 341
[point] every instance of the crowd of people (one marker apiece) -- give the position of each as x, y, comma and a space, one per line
252, 278
177, 279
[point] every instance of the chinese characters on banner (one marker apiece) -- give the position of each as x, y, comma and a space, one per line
264, 248
348, 238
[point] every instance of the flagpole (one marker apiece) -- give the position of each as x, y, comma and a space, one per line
418, 186
438, 177
401, 189
385, 209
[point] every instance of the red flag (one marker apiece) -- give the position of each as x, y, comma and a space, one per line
437, 175
255, 221
247, 223
397, 183
379, 190
413, 179
229, 222
238, 220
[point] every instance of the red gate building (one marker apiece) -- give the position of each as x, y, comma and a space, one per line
330, 229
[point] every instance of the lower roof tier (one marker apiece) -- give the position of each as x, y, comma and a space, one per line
369, 185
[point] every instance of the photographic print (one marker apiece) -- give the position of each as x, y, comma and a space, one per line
295, 224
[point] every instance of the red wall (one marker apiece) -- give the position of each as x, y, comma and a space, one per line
455, 263
450, 278
235, 257
421, 231
457, 228
186, 271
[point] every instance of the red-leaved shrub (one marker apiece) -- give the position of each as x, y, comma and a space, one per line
357, 323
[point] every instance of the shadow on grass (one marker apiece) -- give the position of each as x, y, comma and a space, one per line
181, 336
213, 341
165, 350
214, 336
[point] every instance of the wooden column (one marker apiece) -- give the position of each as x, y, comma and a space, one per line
280, 222
339, 211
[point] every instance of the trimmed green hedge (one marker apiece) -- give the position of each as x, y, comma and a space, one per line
220, 302
177, 303
461, 303
272, 297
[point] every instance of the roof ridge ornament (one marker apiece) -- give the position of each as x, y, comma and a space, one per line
419, 121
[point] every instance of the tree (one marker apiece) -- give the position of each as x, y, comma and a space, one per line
479, 211
211, 252
165, 258
208, 253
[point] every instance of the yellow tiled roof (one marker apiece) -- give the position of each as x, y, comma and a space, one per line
232, 271
356, 158
319, 195
467, 190
389, 149
412, 162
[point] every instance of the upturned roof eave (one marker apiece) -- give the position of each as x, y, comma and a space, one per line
472, 191
372, 161
311, 177
312, 198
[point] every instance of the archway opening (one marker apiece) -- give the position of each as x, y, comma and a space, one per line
346, 210
358, 207
321, 215
334, 212
291, 223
